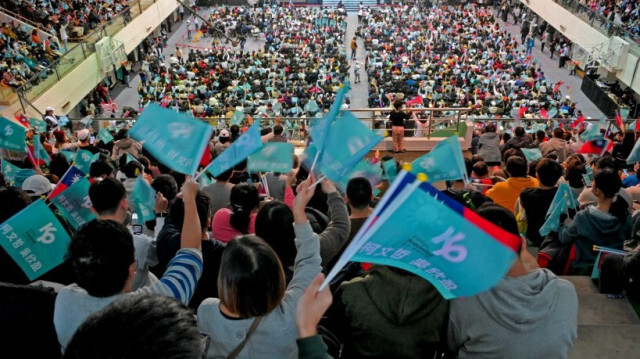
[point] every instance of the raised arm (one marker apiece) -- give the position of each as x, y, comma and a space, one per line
337, 231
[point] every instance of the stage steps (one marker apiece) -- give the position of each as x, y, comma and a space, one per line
607, 327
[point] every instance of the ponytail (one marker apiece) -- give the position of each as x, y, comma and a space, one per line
244, 199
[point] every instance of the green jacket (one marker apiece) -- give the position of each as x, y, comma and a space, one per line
312, 348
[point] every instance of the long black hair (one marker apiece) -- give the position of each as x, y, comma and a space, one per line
244, 199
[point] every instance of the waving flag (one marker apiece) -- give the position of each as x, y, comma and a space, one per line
320, 127
11, 135
84, 159
595, 147
35, 239
273, 156
311, 107
544, 114
70, 177
532, 154
174, 139
459, 252
347, 142
204, 180
236, 118
105, 136
556, 88
69, 155
634, 155
390, 169
562, 202
619, 121
74, 203
591, 133
144, 199
364, 169
39, 152
444, 162
522, 111
243, 147
14, 174
577, 121
38, 124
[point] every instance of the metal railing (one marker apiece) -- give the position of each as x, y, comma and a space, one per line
44, 79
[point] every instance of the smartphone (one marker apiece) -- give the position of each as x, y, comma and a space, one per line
136, 229
93, 139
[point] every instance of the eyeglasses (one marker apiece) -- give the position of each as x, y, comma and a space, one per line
205, 340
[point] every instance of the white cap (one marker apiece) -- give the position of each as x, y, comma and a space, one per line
37, 185
83, 134
224, 133
49, 108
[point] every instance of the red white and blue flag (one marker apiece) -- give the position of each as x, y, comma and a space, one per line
619, 121
577, 121
595, 147
70, 177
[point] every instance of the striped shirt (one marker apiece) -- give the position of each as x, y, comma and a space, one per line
74, 304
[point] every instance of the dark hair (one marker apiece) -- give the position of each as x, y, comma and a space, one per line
490, 128
517, 166
506, 137
540, 135
244, 199
225, 176
106, 195
558, 133
176, 211
476, 158
274, 224
609, 183
606, 162
628, 141
512, 152
499, 216
101, 168
548, 171
397, 104
251, 280
166, 185
519, 131
277, 130
481, 168
101, 253
163, 328
359, 192
574, 169
58, 165
13, 201
133, 169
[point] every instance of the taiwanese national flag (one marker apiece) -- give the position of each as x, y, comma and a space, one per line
522, 111
577, 121
619, 122
24, 121
544, 114
70, 177
595, 147
556, 88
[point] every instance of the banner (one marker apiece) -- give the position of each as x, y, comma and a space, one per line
444, 162
12, 135
144, 199
273, 156
174, 139
74, 203
105, 136
35, 239
243, 147
348, 141
452, 247
562, 201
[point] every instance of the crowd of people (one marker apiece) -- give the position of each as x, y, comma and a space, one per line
297, 73
454, 57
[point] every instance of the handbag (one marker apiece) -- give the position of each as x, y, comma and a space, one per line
242, 344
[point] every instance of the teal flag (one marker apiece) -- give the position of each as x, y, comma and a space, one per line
38, 124
74, 203
532, 154
84, 159
457, 251
390, 169
87, 121
14, 174
70, 156
591, 133
588, 177
105, 136
39, 152
348, 141
273, 156
144, 199
237, 117
174, 139
35, 239
204, 180
364, 169
243, 147
11, 135
562, 201
130, 158
444, 162
320, 127
634, 155
311, 107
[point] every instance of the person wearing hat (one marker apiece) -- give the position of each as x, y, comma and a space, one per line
84, 137
51, 119
37, 186
224, 141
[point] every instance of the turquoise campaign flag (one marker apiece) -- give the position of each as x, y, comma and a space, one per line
14, 174
452, 247
562, 202
553, 112
39, 152
204, 180
84, 159
174, 139
74, 203
532, 154
38, 124
311, 107
71, 156
348, 141
105, 136
390, 169
591, 133
243, 147
87, 121
144, 199
634, 156
236, 118
364, 169
11, 135
444, 162
35, 239
320, 127
273, 156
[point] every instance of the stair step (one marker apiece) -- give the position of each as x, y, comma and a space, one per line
583, 284
599, 309
606, 341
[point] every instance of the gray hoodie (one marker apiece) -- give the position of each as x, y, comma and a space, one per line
557, 146
532, 316
489, 147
